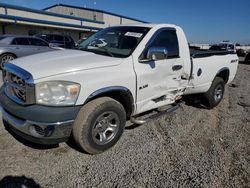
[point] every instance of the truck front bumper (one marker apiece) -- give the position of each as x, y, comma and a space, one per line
36, 123
38, 132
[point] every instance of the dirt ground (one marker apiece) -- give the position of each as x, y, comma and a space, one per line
191, 147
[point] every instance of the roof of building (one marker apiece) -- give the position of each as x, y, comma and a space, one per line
44, 22
47, 13
17, 18
90, 9
37, 21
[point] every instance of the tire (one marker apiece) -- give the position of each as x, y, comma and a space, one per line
247, 59
99, 125
4, 58
215, 93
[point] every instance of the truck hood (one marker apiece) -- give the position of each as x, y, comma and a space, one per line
63, 61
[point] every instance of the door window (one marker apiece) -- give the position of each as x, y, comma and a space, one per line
20, 41
37, 42
169, 40
58, 38
48, 38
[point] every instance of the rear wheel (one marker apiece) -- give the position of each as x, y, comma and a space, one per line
99, 125
5, 58
215, 93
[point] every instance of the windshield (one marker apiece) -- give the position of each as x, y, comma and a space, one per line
5, 40
115, 41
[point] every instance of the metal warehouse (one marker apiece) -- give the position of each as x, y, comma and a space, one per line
75, 21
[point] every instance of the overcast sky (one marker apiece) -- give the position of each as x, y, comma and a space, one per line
204, 21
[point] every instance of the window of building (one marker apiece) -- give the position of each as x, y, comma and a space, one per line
32, 32
95, 17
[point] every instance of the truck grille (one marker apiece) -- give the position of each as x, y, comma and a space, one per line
18, 84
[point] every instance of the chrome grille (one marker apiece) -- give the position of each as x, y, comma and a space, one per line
18, 84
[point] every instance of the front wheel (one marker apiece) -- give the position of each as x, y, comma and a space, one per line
5, 58
215, 93
99, 125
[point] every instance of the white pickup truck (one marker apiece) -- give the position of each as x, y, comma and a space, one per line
116, 75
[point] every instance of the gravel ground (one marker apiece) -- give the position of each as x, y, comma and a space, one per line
192, 147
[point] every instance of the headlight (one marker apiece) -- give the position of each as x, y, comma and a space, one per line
57, 93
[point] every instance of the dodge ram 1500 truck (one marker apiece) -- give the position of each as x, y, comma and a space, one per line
116, 74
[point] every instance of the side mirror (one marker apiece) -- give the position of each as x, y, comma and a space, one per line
156, 54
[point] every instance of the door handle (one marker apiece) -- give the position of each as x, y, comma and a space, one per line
176, 67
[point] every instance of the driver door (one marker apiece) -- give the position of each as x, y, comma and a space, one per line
159, 81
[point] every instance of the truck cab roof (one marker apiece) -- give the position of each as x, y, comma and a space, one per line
149, 25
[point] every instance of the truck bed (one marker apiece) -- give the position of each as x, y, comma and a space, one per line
198, 53
206, 64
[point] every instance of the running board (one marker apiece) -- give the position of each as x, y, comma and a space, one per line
156, 113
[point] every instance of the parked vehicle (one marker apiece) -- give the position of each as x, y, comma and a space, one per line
63, 41
90, 93
224, 46
14, 46
244, 55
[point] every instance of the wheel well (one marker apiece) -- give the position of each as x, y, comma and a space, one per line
9, 53
224, 74
122, 96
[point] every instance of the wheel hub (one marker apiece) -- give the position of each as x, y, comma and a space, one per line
218, 92
105, 128
102, 126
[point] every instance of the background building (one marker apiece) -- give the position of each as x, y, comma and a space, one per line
75, 21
